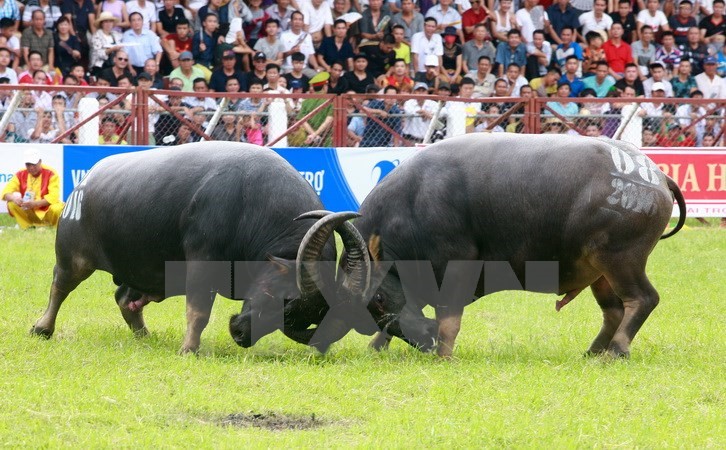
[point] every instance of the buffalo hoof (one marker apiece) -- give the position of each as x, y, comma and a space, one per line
141, 333
188, 351
42, 332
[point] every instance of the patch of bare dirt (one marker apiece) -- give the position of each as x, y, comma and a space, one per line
273, 421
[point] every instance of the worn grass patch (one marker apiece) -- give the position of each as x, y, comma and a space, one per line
518, 378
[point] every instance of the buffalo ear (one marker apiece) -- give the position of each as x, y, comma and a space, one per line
280, 264
375, 247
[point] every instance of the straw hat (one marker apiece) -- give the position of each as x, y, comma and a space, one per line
104, 16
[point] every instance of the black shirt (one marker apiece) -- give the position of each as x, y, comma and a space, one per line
637, 85
378, 62
695, 56
680, 29
341, 87
168, 23
358, 85
628, 24
711, 28
218, 80
111, 77
304, 79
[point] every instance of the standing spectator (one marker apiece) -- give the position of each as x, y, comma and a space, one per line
446, 16
106, 41
425, 43
67, 48
562, 15
596, 20
477, 47
511, 52
625, 17
388, 112
420, 112
37, 38
713, 27
567, 47
204, 42
682, 22
317, 128
694, 51
411, 20
617, 52
644, 50
147, 10
336, 48
631, 79
52, 13
712, 85
33, 194
654, 17
657, 75
145, 44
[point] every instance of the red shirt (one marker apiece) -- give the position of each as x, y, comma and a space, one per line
179, 45
470, 18
617, 57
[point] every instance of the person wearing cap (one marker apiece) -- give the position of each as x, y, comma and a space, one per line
218, 80
712, 85
419, 112
259, 72
317, 129
187, 71
426, 43
657, 75
33, 194
655, 109
270, 46
359, 78
144, 43
452, 59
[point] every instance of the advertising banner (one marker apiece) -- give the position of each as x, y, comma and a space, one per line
11, 161
701, 175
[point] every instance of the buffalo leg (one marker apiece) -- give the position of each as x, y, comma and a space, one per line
201, 292
639, 300
449, 320
135, 321
612, 312
64, 282
380, 341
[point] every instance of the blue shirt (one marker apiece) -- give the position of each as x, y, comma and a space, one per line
206, 57
377, 136
559, 19
146, 45
506, 56
601, 90
576, 85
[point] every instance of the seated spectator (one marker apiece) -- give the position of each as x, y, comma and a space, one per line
43, 132
52, 13
617, 52
219, 78
593, 129
631, 79
592, 108
539, 55
511, 52
337, 84
712, 85
478, 46
721, 66
142, 43
398, 77
563, 108
655, 109
452, 57
514, 79
187, 71
204, 43
682, 22
152, 68
420, 112
380, 55
567, 47
119, 68
424, 44
601, 83
274, 83
490, 114
624, 16
593, 53
694, 51
318, 20
253, 104
200, 104
169, 16
5, 70
147, 10
107, 135
644, 51
37, 38
336, 47
596, 20
669, 54
401, 48
83, 17
174, 44
229, 130
713, 27
360, 78
106, 41
546, 86
116, 9
657, 72
298, 64
374, 21
253, 22
483, 78
570, 76
412, 21
653, 17
296, 40
561, 16
281, 11
683, 83
271, 45
10, 41
503, 21
67, 48
531, 17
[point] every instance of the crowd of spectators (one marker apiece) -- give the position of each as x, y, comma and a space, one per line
474, 49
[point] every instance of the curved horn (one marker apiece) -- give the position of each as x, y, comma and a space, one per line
357, 263
317, 214
311, 248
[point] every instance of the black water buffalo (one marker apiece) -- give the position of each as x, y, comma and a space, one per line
208, 205
596, 207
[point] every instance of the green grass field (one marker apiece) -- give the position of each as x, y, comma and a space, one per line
518, 379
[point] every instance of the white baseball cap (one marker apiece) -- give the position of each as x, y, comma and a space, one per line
31, 156
431, 60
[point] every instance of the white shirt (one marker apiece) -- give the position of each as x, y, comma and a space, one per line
590, 23
416, 125
11, 75
423, 46
316, 19
290, 39
656, 21
715, 88
148, 11
529, 21
648, 87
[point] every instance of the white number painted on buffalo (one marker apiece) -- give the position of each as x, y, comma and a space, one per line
626, 164
72, 210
